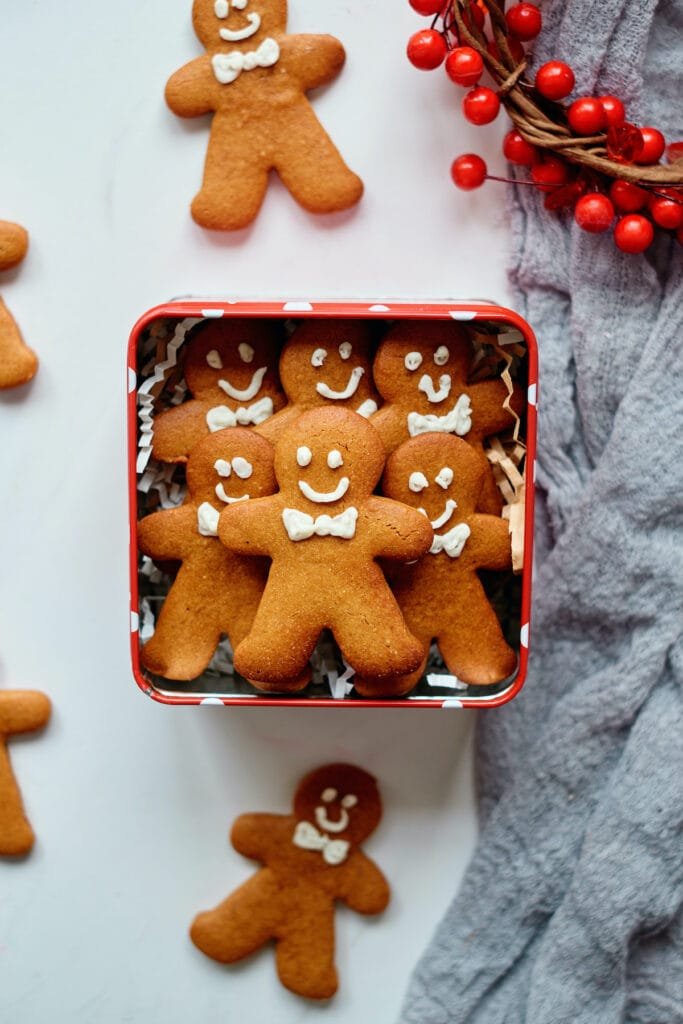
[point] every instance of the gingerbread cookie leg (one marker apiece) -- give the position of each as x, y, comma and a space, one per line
169, 653
261, 655
305, 951
20, 711
18, 364
473, 645
234, 184
242, 923
361, 632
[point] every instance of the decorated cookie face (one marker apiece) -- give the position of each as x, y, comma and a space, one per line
328, 457
237, 23
329, 362
226, 468
341, 801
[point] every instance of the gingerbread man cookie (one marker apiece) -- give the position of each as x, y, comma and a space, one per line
21, 711
18, 364
230, 368
325, 363
324, 531
421, 371
310, 858
215, 592
254, 78
441, 596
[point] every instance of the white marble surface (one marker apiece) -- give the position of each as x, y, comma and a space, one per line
132, 801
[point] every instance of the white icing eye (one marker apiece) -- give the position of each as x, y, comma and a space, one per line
417, 482
412, 361
345, 349
242, 467
214, 360
222, 467
328, 795
334, 459
239, 4
445, 477
221, 8
349, 801
246, 352
319, 357
441, 355
304, 456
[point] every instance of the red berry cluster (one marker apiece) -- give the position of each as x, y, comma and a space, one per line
599, 202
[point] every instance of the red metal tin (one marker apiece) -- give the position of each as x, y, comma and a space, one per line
387, 310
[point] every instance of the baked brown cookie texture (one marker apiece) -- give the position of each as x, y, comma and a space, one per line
215, 591
421, 371
441, 595
324, 531
21, 711
253, 78
18, 364
325, 362
311, 859
230, 368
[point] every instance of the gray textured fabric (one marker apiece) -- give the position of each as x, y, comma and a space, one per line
572, 907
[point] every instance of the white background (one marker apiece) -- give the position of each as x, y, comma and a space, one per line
132, 801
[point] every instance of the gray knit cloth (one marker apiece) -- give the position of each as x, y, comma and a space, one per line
572, 907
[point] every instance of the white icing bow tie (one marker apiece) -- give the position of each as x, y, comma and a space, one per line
221, 416
307, 837
452, 542
457, 421
229, 66
301, 526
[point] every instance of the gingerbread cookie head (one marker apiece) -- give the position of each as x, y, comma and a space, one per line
234, 364
439, 474
329, 362
225, 468
238, 22
340, 800
328, 458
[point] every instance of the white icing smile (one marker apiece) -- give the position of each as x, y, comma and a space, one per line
324, 497
235, 35
220, 492
448, 511
327, 824
348, 392
246, 394
426, 385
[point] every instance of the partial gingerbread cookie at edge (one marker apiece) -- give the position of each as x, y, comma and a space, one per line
311, 859
18, 364
254, 78
21, 711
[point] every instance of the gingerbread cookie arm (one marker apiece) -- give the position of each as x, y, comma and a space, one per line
22, 711
164, 535
177, 431
489, 546
249, 528
18, 364
364, 887
13, 244
276, 424
391, 425
255, 835
399, 532
190, 90
489, 413
313, 59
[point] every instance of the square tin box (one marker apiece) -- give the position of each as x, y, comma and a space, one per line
154, 381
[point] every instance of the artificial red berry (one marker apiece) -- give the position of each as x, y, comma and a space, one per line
464, 65
524, 21
627, 198
468, 171
427, 7
426, 49
594, 212
481, 105
615, 112
633, 233
554, 80
586, 116
652, 148
667, 212
517, 150
514, 46
674, 152
550, 173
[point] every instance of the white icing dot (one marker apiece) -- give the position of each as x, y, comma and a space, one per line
246, 352
221, 8
239, 4
319, 357
412, 361
345, 349
222, 467
328, 795
214, 360
445, 477
349, 800
417, 482
242, 467
304, 456
441, 355
334, 459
